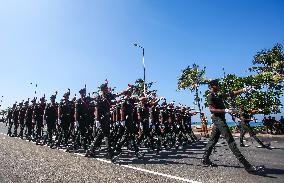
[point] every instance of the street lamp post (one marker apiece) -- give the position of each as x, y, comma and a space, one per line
144, 67
1, 101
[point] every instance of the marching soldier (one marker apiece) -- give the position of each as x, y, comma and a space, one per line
143, 117
127, 111
65, 112
246, 117
217, 108
82, 115
22, 112
50, 117
38, 116
15, 120
10, 119
29, 120
102, 115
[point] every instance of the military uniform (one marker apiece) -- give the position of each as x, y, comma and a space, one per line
245, 127
103, 105
155, 117
10, 121
51, 117
38, 116
22, 112
16, 120
221, 127
29, 121
66, 110
144, 112
84, 118
187, 125
129, 133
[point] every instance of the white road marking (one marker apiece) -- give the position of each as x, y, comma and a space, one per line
144, 170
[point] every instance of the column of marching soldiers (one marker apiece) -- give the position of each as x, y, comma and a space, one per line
116, 120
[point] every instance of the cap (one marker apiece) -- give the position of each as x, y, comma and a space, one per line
53, 97
67, 94
82, 91
33, 100
103, 86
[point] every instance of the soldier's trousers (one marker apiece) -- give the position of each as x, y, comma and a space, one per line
128, 136
245, 127
50, 129
146, 133
22, 127
65, 133
29, 126
190, 132
39, 126
221, 127
10, 124
16, 125
103, 132
83, 129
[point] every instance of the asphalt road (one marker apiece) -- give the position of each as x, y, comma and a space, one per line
23, 161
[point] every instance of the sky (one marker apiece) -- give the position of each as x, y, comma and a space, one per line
67, 44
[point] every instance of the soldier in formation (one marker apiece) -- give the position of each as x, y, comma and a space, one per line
120, 120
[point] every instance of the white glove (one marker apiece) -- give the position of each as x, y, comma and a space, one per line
231, 111
122, 123
260, 110
98, 124
59, 121
76, 123
248, 89
228, 111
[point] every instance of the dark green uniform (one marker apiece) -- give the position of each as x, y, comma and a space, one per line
129, 133
51, 117
22, 112
10, 121
221, 127
103, 105
66, 111
84, 117
29, 123
16, 120
245, 127
38, 116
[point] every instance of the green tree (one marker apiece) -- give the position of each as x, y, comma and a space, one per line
138, 88
270, 61
267, 81
192, 78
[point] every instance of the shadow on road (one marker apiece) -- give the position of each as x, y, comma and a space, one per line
268, 172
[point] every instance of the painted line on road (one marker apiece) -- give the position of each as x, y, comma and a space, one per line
144, 170
136, 168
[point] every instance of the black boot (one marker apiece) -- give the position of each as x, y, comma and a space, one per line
206, 161
254, 169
